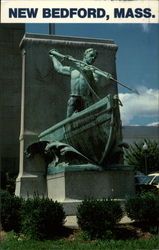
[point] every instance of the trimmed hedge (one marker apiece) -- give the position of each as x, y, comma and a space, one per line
98, 217
10, 211
144, 209
42, 218
38, 218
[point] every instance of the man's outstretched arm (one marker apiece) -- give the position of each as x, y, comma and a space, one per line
103, 73
65, 70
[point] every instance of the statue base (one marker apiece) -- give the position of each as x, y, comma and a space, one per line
70, 186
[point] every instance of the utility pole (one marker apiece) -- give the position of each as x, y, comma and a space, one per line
145, 149
51, 28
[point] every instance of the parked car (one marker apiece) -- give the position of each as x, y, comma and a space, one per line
148, 183
154, 179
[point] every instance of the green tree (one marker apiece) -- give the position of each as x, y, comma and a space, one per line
137, 156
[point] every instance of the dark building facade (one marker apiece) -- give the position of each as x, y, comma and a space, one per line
10, 95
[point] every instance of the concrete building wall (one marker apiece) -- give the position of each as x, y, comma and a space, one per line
10, 94
132, 134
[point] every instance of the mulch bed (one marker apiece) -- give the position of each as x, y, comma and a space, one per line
131, 232
120, 232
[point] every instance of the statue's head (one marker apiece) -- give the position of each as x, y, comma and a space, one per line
90, 55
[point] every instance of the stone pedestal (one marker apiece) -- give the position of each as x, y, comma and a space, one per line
71, 187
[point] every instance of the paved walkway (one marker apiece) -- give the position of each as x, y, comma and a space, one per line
71, 221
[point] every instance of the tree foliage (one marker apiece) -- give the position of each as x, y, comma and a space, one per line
135, 155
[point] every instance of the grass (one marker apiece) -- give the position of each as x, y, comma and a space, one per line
13, 242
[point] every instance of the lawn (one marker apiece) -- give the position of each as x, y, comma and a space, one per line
75, 241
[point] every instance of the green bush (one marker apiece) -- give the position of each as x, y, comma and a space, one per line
8, 182
144, 209
98, 217
10, 211
42, 218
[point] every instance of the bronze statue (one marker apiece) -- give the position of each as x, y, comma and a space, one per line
84, 77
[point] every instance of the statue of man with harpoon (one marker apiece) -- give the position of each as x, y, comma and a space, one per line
84, 77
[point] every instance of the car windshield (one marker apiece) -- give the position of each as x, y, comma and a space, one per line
156, 180
146, 179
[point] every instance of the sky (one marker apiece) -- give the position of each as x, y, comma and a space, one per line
137, 64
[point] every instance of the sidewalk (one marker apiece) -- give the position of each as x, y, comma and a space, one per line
71, 221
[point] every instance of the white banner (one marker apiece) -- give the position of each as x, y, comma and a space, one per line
80, 11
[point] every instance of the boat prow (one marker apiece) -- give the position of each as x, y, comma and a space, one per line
92, 132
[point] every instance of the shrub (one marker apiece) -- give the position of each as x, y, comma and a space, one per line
98, 217
42, 218
8, 182
144, 208
10, 211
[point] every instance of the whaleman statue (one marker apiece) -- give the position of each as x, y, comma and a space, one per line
84, 77
81, 156
92, 131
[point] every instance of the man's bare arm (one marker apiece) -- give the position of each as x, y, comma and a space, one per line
103, 73
65, 70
